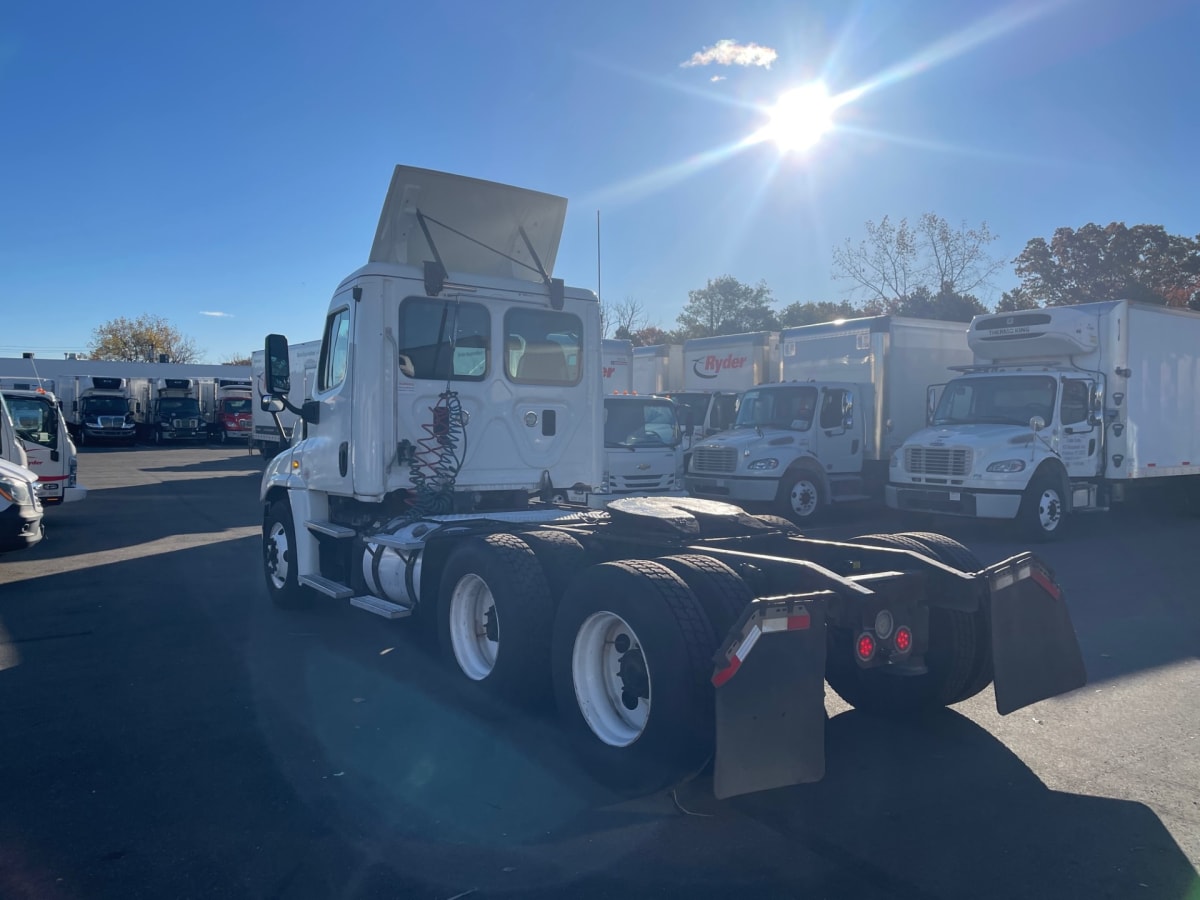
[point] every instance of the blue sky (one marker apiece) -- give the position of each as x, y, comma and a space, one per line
232, 157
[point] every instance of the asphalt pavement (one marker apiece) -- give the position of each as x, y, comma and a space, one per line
164, 732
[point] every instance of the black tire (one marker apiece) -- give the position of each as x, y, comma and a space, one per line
779, 522
801, 498
952, 553
676, 644
1043, 512
158, 437
723, 595
284, 588
82, 438
952, 660
521, 614
560, 556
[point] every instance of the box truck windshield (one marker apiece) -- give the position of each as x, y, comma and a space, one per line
638, 423
778, 408
1000, 399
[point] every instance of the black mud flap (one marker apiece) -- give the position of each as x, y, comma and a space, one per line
770, 696
1034, 649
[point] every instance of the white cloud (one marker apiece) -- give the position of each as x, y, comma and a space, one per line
217, 315
717, 78
731, 53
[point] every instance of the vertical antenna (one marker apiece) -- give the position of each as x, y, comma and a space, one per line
604, 327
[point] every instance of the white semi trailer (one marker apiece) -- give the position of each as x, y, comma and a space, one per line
458, 387
852, 391
98, 408
1063, 411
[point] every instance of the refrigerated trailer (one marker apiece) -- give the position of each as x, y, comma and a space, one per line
98, 408
458, 386
1063, 410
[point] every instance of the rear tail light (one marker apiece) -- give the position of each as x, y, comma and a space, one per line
865, 647
903, 640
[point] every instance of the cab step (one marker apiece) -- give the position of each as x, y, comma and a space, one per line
381, 607
849, 498
329, 529
327, 586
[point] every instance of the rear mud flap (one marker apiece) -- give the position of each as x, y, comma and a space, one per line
1034, 649
770, 712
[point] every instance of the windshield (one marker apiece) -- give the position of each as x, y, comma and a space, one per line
636, 422
178, 406
235, 406
105, 406
36, 419
998, 399
790, 407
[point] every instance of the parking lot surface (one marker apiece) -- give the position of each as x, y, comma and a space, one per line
164, 732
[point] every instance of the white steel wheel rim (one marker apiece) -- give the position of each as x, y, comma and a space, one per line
803, 497
277, 555
1049, 509
595, 667
471, 603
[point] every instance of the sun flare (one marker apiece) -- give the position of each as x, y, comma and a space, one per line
800, 118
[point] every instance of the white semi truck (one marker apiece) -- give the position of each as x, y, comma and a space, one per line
42, 432
1064, 410
458, 386
852, 391
98, 408
272, 432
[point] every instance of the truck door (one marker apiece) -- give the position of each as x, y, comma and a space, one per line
1079, 440
328, 460
840, 448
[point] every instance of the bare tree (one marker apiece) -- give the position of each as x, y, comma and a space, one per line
895, 261
626, 317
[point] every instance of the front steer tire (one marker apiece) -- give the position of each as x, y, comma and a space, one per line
669, 641
279, 558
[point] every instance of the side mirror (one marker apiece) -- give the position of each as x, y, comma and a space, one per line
278, 372
1036, 424
271, 403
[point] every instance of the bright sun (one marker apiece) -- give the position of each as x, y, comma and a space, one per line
800, 118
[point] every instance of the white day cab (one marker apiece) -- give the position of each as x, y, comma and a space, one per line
459, 386
41, 430
643, 452
98, 409
267, 437
1063, 411
852, 391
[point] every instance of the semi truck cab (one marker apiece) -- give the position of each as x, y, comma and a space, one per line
106, 412
176, 415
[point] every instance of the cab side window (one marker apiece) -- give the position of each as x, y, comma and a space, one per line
833, 408
444, 340
1074, 402
335, 351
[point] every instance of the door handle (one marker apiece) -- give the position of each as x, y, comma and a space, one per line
344, 457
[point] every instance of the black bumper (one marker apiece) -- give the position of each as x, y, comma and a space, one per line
20, 528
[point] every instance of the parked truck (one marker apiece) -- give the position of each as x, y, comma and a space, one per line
267, 437
170, 410
42, 432
658, 368
11, 448
1064, 410
458, 386
98, 409
852, 391
20, 508
233, 410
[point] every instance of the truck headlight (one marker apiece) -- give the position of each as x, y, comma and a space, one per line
761, 464
897, 458
1007, 465
16, 492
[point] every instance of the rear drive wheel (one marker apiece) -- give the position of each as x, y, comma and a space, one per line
279, 558
1043, 511
800, 498
779, 522
953, 660
631, 659
494, 615
560, 556
721, 592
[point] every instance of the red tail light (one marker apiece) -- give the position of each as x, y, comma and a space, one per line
865, 647
903, 639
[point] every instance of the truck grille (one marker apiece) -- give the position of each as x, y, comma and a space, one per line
184, 423
621, 484
937, 461
721, 460
110, 421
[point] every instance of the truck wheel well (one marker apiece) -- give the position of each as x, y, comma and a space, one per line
274, 493
1054, 469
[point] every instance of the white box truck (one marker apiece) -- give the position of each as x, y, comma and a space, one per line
42, 431
658, 368
11, 449
853, 390
267, 438
98, 409
459, 385
170, 409
1064, 410
233, 410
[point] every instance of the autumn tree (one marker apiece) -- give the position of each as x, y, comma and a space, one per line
1143, 263
1015, 300
795, 314
142, 339
649, 336
946, 305
897, 261
727, 306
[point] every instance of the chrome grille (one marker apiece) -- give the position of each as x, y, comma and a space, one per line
110, 421
185, 423
937, 461
722, 460
624, 483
